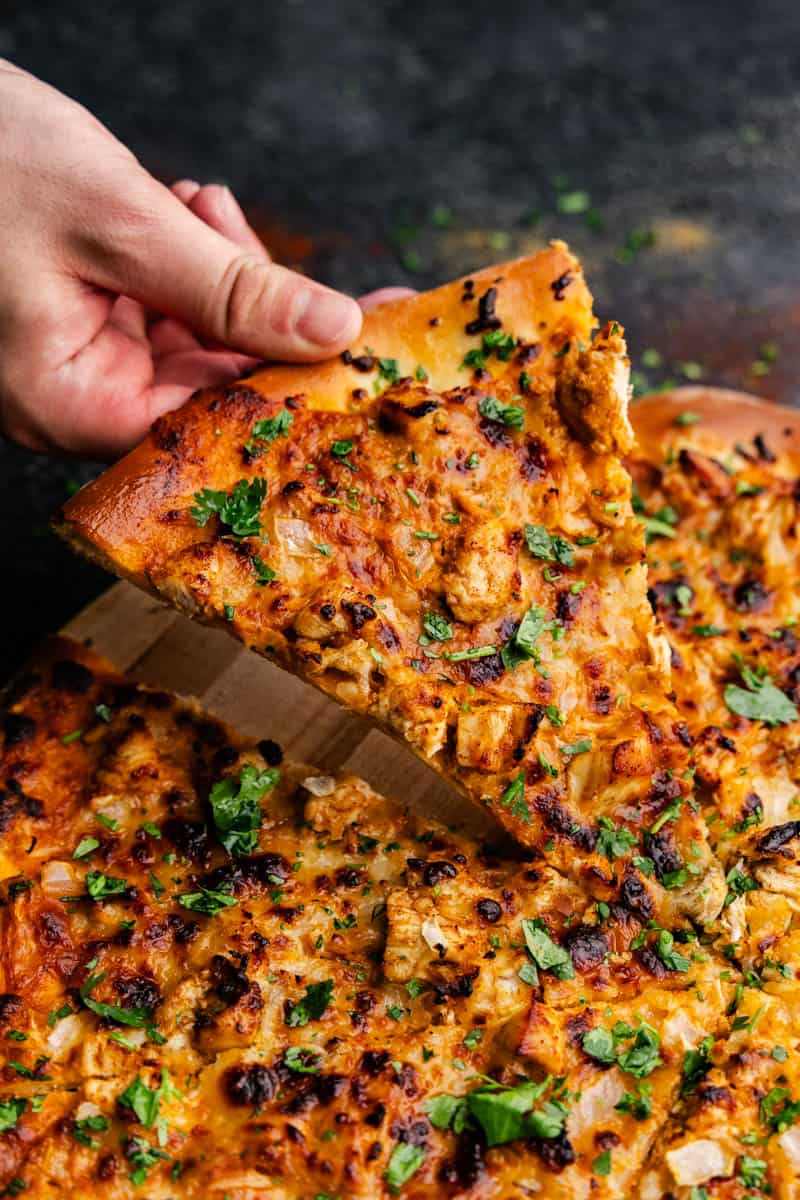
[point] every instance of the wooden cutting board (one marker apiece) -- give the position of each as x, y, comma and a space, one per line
158, 647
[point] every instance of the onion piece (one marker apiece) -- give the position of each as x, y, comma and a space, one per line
432, 934
698, 1161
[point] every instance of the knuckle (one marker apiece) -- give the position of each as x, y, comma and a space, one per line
252, 297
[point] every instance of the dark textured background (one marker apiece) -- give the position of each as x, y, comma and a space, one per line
410, 141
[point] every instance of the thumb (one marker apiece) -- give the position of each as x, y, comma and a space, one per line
159, 252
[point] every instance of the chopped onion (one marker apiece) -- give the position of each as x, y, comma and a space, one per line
296, 536
697, 1162
432, 934
65, 1035
789, 1142
596, 1102
320, 785
86, 1109
59, 879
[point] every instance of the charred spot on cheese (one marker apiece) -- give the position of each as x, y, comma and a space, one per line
258, 872
229, 979
252, 1085
190, 838
587, 947
777, 839
751, 596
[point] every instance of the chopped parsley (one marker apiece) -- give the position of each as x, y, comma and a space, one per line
266, 432
696, 1065
207, 901
264, 573
238, 510
638, 1104
549, 547
510, 415
316, 999
236, 809
546, 954
613, 841
405, 1160
102, 887
759, 699
437, 627
11, 1109
86, 846
503, 1114
136, 1018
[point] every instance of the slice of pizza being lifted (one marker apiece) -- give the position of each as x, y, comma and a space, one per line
436, 529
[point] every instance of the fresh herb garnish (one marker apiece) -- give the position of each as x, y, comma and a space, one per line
236, 809
238, 510
404, 1161
549, 547
759, 699
207, 901
266, 432
312, 1005
510, 415
545, 953
437, 627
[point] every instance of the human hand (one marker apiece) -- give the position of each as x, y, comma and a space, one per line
118, 296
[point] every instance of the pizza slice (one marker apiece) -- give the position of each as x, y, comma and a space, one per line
716, 476
228, 974
437, 531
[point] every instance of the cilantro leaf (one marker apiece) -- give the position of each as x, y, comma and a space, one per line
135, 1018
639, 1103
760, 699
100, 886
671, 958
437, 627
11, 1109
510, 415
267, 431
613, 841
302, 1060
514, 798
447, 1112
405, 1161
523, 645
239, 509
207, 901
546, 953
778, 1111
696, 1065
548, 547
236, 809
643, 1057
738, 884
264, 573
312, 1005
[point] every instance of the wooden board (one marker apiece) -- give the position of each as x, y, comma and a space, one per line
158, 647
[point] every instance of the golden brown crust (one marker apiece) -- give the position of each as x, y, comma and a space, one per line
545, 300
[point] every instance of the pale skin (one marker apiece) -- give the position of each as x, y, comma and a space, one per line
120, 296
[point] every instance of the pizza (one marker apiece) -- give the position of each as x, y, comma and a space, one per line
716, 489
225, 974
437, 530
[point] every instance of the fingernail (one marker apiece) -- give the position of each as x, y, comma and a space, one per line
327, 318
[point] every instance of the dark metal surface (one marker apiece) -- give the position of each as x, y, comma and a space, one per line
410, 141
